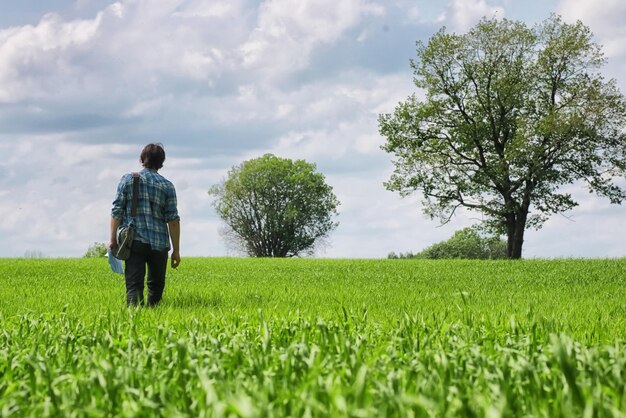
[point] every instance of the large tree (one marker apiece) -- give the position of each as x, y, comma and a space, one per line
510, 113
276, 207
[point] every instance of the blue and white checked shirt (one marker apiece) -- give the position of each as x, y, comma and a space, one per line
155, 208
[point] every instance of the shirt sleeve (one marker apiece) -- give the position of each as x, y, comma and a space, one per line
119, 204
171, 210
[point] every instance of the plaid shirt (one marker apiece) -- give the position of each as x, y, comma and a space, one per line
155, 208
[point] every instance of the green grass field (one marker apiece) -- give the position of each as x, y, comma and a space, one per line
311, 337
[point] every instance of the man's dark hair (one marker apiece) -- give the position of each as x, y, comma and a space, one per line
152, 156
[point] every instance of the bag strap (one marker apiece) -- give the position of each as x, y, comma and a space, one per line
133, 208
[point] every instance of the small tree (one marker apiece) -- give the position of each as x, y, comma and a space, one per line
400, 256
33, 254
98, 249
511, 114
275, 207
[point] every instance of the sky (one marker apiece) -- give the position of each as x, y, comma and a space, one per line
85, 84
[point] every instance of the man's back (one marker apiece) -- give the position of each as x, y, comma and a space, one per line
156, 207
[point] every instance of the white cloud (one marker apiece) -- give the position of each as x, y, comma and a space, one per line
606, 20
130, 43
287, 31
31, 56
333, 121
590, 230
208, 8
58, 201
369, 210
463, 14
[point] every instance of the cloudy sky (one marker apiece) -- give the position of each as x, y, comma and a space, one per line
84, 84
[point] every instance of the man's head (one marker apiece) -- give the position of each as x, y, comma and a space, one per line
152, 156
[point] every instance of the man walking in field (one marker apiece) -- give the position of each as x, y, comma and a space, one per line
156, 222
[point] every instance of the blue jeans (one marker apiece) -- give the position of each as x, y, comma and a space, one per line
156, 260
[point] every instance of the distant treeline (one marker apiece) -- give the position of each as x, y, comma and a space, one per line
467, 243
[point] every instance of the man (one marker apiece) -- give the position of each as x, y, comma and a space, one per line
157, 215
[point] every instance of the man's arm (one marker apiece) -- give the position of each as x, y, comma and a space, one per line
115, 223
174, 227
117, 213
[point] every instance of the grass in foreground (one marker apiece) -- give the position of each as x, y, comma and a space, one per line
260, 337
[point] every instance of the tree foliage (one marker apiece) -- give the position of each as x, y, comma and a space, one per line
275, 207
467, 243
98, 249
510, 115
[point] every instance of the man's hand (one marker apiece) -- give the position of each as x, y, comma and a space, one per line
175, 259
174, 227
112, 244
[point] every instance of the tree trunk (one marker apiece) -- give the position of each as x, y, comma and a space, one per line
516, 226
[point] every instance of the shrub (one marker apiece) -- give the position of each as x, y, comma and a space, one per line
466, 243
98, 249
